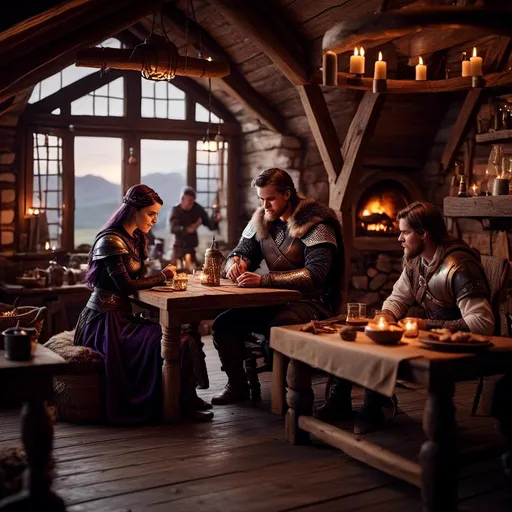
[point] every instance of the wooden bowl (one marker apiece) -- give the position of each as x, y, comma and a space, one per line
384, 337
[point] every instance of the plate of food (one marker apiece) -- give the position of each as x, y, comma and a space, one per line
162, 289
443, 340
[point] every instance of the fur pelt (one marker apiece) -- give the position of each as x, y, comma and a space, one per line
308, 213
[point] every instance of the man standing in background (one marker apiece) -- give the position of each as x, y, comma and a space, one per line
185, 219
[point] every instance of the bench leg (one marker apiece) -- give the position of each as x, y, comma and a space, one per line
278, 384
299, 398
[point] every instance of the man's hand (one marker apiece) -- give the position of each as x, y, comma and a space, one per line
237, 269
249, 280
193, 227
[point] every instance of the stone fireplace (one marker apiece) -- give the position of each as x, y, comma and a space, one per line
376, 257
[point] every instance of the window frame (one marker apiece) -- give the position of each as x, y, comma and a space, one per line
132, 127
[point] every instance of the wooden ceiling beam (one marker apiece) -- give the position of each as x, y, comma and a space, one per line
360, 131
235, 83
269, 34
12, 77
460, 128
322, 128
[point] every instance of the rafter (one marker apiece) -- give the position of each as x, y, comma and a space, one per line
235, 84
322, 128
360, 131
269, 33
89, 35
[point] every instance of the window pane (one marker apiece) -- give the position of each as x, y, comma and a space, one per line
100, 106
116, 88
164, 168
202, 115
116, 107
161, 109
82, 106
174, 92
147, 108
176, 109
98, 163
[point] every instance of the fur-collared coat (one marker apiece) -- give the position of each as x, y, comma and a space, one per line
308, 223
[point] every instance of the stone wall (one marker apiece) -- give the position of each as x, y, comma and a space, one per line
8, 190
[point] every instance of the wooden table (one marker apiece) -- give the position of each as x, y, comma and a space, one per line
198, 303
31, 382
436, 474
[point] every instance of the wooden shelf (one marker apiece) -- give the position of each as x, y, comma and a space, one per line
483, 138
478, 207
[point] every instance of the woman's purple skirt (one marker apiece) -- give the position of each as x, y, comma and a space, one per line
133, 364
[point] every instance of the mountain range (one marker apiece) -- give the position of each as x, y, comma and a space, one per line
96, 198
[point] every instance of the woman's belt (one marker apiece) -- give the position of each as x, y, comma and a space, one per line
104, 300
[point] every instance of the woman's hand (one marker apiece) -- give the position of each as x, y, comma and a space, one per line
237, 269
169, 271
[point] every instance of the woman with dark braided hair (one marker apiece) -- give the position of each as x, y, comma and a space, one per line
131, 346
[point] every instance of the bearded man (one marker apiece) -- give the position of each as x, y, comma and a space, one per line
441, 274
301, 243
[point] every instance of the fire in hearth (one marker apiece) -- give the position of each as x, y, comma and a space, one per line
378, 208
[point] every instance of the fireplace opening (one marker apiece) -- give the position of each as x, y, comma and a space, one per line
378, 207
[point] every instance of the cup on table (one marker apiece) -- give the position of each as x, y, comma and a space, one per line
356, 310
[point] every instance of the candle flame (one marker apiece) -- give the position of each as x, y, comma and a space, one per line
380, 55
361, 51
408, 325
474, 51
382, 323
356, 51
421, 61
31, 211
47, 246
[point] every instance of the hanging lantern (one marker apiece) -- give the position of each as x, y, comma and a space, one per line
212, 265
132, 159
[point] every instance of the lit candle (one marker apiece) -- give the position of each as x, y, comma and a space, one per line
466, 66
475, 189
380, 69
382, 325
357, 62
476, 64
411, 329
47, 246
330, 68
421, 71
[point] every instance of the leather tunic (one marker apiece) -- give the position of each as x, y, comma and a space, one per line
459, 276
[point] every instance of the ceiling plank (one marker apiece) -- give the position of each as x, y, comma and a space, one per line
272, 36
322, 128
235, 83
92, 34
360, 131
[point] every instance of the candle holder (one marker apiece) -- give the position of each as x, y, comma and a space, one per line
180, 281
477, 82
500, 187
380, 85
411, 329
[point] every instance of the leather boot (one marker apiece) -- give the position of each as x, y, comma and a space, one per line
374, 412
195, 415
338, 406
231, 350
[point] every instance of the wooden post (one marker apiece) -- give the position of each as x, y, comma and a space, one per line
68, 191
278, 384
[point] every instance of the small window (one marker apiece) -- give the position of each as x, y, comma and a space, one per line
108, 100
162, 100
47, 185
202, 115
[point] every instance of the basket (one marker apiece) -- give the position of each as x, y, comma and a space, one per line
25, 316
79, 395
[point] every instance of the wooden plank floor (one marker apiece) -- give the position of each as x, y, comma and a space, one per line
241, 462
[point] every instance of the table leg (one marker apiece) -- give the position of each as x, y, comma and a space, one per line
171, 332
278, 384
37, 435
502, 411
299, 398
438, 455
